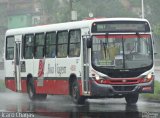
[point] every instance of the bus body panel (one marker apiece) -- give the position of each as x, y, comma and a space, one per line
121, 86
85, 60
10, 83
53, 86
58, 84
52, 75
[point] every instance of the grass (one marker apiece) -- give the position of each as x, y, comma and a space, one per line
156, 95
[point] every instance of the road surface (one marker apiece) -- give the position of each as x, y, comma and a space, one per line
12, 103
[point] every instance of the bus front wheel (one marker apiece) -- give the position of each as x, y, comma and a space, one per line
76, 94
131, 98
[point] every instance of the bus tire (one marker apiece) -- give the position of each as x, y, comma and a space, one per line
31, 91
41, 96
76, 93
131, 98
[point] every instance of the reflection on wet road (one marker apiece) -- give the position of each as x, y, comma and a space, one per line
63, 107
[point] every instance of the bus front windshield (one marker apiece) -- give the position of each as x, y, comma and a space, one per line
122, 51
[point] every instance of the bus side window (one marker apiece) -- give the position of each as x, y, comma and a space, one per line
28, 46
51, 44
62, 44
39, 46
10, 48
74, 43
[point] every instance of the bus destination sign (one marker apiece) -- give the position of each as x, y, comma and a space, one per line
120, 26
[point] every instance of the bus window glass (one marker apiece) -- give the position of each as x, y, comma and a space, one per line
10, 48
39, 46
74, 45
50, 44
28, 46
62, 43
122, 52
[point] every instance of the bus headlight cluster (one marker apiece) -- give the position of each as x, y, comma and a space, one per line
100, 80
97, 78
148, 78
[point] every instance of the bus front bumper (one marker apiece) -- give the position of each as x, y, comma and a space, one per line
106, 90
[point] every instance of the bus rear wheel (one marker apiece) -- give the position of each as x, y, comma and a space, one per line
131, 98
76, 94
42, 96
32, 93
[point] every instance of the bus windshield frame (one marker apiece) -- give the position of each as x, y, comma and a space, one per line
122, 52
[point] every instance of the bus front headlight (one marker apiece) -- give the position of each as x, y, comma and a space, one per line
148, 78
100, 80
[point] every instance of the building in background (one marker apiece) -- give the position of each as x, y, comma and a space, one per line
23, 13
3, 24
17, 14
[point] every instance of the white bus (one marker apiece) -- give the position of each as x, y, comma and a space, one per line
108, 57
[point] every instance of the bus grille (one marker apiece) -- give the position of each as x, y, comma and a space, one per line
123, 88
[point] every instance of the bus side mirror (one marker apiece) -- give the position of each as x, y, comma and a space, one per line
89, 43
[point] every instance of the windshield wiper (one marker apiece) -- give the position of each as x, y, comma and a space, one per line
104, 48
138, 37
123, 53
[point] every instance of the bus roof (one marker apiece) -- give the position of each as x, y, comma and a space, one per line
65, 26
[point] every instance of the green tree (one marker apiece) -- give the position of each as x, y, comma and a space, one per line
105, 8
57, 11
156, 29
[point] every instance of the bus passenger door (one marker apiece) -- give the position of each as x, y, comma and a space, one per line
18, 39
85, 64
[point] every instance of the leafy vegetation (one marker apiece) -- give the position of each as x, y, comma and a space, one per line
106, 8
59, 10
156, 95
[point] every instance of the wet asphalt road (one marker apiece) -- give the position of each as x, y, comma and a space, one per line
12, 103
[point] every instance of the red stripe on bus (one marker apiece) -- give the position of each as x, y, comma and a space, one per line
10, 84
59, 87
53, 87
